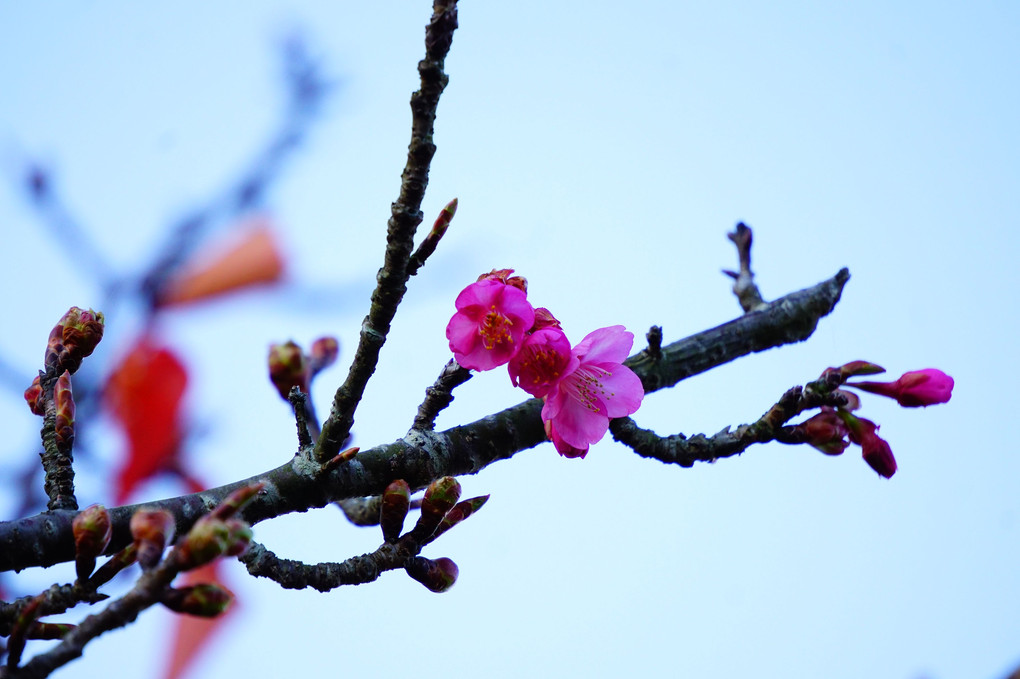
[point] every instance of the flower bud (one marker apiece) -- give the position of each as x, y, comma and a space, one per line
323, 354
208, 539
73, 338
288, 368
64, 402
503, 276
440, 497
437, 576
92, 530
875, 450
152, 530
205, 600
826, 431
396, 500
460, 511
35, 399
239, 535
914, 389
237, 500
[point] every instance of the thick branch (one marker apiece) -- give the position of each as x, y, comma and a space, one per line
423, 456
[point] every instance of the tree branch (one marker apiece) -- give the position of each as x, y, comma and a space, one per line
406, 216
422, 456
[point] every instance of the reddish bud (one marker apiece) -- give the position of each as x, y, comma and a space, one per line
205, 600
92, 530
396, 500
914, 389
288, 368
443, 220
63, 399
544, 319
875, 449
437, 576
503, 276
460, 511
116, 564
826, 431
73, 338
323, 354
238, 537
234, 502
152, 530
35, 399
440, 497
208, 539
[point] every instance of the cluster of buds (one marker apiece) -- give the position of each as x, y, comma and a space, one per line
440, 511
73, 338
290, 366
834, 429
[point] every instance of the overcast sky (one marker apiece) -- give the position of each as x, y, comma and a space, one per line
603, 150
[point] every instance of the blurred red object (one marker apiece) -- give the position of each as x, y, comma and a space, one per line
144, 394
254, 260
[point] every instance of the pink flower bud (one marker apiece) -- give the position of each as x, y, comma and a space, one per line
914, 389
438, 576
205, 600
152, 530
875, 449
288, 368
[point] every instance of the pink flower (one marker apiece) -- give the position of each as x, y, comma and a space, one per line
543, 359
579, 406
915, 388
489, 326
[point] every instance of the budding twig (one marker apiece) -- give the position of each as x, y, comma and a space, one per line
406, 216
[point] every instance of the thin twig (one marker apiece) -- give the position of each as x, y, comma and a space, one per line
684, 451
406, 216
440, 394
744, 286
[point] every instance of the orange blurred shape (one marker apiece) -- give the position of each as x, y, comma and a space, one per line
192, 634
253, 260
144, 394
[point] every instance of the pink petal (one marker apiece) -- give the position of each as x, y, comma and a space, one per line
605, 345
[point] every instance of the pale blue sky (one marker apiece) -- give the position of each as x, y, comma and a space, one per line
603, 150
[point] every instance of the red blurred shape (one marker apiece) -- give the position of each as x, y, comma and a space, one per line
144, 393
255, 259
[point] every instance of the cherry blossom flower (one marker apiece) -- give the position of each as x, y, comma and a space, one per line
543, 359
489, 326
914, 389
580, 404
